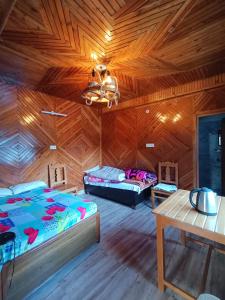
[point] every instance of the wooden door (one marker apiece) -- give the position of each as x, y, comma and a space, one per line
223, 156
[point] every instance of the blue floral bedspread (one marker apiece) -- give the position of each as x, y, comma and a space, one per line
37, 216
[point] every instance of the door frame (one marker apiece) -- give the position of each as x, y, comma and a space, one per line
196, 140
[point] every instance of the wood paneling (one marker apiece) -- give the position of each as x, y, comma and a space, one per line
169, 124
78, 138
55, 33
9, 135
162, 38
26, 135
68, 83
6, 6
47, 45
160, 92
119, 132
36, 133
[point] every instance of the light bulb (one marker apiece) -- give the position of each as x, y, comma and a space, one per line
108, 80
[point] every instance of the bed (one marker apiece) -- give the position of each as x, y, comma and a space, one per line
51, 228
128, 191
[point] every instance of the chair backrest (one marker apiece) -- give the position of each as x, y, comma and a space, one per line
168, 172
57, 174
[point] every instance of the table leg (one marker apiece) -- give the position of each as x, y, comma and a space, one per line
183, 238
160, 254
153, 199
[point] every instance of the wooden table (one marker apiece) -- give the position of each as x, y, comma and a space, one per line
177, 212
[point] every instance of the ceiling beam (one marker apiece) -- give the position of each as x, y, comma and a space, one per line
173, 23
186, 89
6, 7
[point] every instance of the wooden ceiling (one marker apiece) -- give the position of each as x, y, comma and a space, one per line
48, 45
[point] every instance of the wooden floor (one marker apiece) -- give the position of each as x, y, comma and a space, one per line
123, 265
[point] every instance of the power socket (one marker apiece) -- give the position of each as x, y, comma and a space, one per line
150, 145
52, 147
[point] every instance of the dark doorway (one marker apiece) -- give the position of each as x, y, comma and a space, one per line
211, 152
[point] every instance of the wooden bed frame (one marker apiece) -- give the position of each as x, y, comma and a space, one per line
126, 197
35, 266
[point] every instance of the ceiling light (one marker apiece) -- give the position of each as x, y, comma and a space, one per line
103, 88
162, 118
176, 118
108, 36
94, 56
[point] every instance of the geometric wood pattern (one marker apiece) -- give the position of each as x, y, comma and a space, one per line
69, 83
26, 135
47, 45
78, 139
119, 134
6, 7
36, 133
162, 92
157, 49
169, 124
9, 135
163, 38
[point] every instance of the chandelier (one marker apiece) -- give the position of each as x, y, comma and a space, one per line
103, 88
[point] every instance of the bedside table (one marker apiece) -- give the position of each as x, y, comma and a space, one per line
66, 188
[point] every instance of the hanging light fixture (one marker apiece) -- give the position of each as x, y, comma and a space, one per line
103, 88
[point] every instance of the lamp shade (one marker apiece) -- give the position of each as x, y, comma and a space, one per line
105, 90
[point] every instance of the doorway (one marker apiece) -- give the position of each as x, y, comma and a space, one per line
211, 152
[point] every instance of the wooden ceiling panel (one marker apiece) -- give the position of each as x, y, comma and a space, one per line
66, 29
6, 7
195, 49
68, 83
163, 53
147, 19
17, 68
65, 83
27, 14
203, 14
48, 45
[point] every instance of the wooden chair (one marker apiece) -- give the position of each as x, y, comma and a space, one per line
167, 181
58, 178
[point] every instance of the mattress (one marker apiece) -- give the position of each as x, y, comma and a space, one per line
37, 216
137, 187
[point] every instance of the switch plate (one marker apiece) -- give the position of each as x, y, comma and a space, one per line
150, 145
52, 147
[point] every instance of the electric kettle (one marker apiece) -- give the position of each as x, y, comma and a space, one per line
206, 201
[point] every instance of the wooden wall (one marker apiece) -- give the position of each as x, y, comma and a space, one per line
170, 124
9, 138
78, 138
26, 134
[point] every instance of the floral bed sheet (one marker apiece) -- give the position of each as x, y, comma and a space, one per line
38, 215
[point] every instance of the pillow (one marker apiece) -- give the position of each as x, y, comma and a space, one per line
109, 173
92, 169
140, 175
5, 192
24, 187
97, 179
151, 177
136, 174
